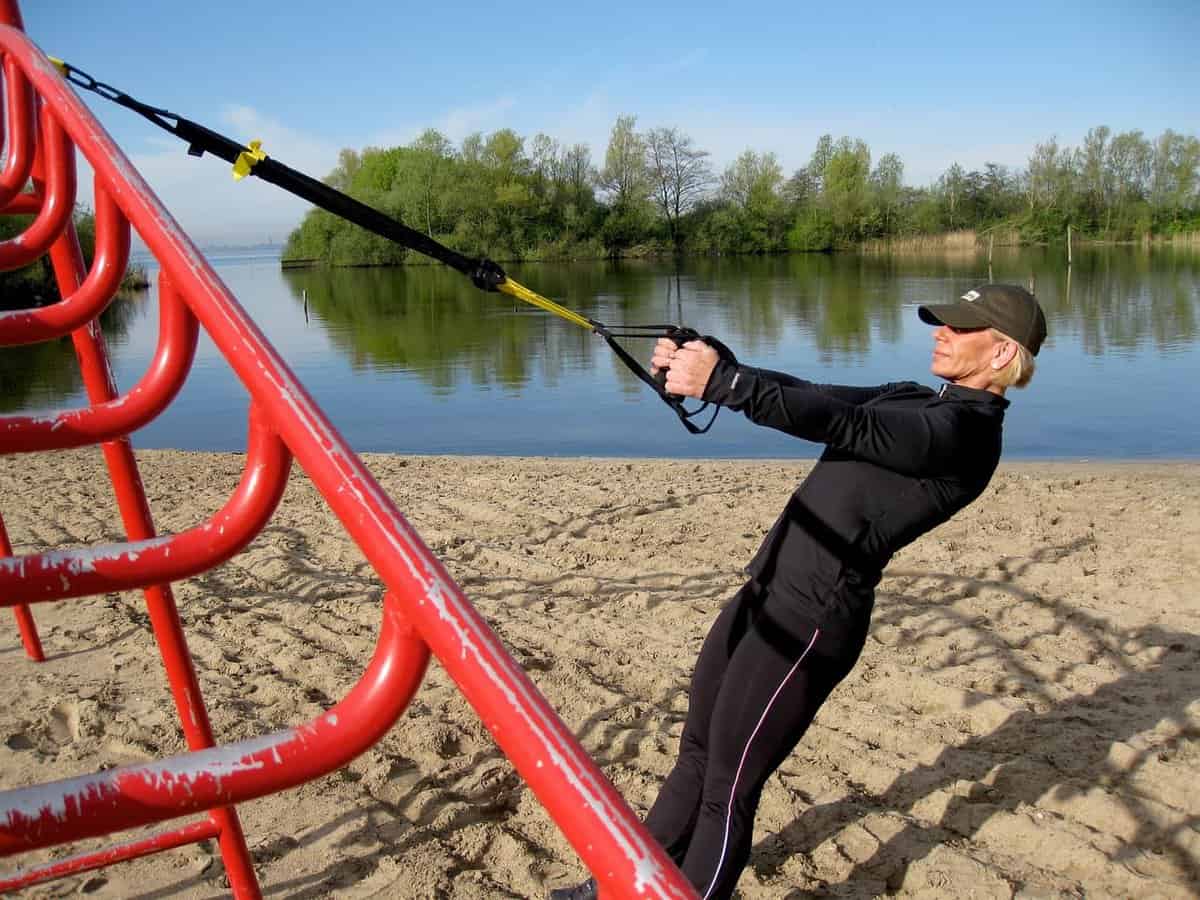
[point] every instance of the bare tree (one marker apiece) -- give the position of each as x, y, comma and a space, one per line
1049, 176
679, 174
578, 172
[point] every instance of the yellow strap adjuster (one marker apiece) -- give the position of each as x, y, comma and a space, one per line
510, 287
58, 64
247, 160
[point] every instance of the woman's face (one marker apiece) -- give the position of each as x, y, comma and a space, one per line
964, 355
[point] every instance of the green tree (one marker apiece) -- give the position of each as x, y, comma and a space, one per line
343, 174
888, 183
1049, 178
846, 189
751, 186
430, 172
999, 192
624, 175
822, 154
1130, 161
627, 183
1173, 180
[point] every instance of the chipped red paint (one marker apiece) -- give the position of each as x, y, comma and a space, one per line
424, 610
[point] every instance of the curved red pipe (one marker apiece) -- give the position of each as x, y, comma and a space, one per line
130, 796
59, 574
30, 326
18, 130
59, 199
591, 813
107, 856
162, 380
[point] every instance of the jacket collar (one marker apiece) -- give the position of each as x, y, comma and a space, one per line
958, 392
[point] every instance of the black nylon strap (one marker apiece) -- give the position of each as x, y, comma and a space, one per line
200, 140
485, 273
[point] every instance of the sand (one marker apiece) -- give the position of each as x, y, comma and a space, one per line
1025, 720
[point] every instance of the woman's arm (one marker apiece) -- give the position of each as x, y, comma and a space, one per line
919, 440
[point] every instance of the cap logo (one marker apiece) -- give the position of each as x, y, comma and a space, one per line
971, 296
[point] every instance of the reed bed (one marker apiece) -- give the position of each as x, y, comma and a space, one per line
953, 241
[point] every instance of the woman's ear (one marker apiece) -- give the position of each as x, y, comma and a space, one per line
1003, 354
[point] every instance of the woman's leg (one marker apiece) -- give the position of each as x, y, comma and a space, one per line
773, 685
673, 815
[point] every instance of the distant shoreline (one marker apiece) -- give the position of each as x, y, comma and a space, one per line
934, 245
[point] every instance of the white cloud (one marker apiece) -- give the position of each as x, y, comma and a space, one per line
455, 123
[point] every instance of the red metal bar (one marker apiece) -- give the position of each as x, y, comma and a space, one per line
28, 326
86, 862
67, 260
144, 793
615, 846
10, 14
58, 202
114, 417
25, 203
58, 574
25, 623
18, 159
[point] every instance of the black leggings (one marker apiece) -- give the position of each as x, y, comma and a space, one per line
755, 690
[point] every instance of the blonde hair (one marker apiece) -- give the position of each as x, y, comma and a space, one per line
1019, 371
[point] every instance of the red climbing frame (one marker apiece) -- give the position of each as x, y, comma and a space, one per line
423, 610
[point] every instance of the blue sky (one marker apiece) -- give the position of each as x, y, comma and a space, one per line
936, 83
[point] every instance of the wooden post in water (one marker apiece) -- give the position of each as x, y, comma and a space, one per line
1068, 243
991, 241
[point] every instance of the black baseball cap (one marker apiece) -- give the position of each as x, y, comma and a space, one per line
1005, 307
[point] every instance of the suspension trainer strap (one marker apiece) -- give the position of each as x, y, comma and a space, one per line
483, 272
201, 140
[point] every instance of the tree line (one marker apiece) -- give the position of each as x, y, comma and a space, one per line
656, 191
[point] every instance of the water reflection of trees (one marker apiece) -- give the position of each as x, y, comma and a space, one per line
41, 374
1115, 298
432, 322
1120, 299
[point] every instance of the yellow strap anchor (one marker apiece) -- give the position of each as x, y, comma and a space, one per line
247, 160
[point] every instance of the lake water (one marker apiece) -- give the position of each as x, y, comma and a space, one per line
416, 360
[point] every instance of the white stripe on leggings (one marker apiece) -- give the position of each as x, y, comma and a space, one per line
742, 762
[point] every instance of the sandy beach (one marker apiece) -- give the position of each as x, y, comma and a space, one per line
1024, 722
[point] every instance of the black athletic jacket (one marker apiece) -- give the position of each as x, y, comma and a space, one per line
900, 459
